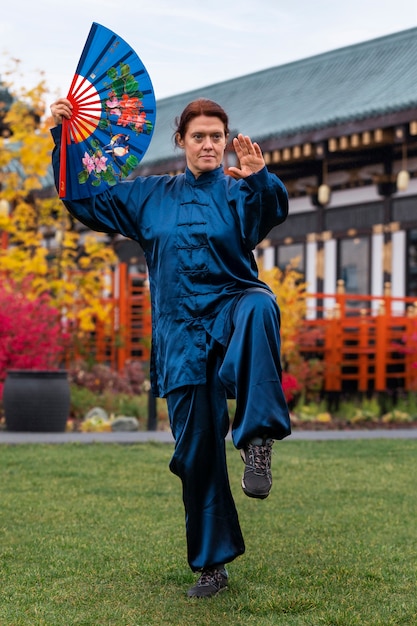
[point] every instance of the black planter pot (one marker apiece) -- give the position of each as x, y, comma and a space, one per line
36, 400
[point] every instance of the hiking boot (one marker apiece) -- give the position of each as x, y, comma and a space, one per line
212, 581
257, 477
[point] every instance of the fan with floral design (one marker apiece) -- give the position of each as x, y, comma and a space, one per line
113, 117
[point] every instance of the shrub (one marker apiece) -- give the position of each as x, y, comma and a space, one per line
290, 386
100, 379
82, 400
30, 332
124, 404
98, 385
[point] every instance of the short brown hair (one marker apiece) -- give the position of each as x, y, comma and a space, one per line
201, 106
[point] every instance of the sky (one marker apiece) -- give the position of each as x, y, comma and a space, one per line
186, 44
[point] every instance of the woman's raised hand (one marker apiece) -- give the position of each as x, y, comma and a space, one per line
250, 157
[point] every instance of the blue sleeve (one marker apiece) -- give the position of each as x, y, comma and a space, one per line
116, 210
264, 205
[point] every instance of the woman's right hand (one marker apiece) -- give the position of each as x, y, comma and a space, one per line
61, 108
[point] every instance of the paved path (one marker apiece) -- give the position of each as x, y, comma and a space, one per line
166, 437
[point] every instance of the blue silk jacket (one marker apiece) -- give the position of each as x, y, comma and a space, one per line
197, 236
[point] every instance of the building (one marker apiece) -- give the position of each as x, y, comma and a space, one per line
340, 129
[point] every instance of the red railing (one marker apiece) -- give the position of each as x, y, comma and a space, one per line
366, 343
125, 334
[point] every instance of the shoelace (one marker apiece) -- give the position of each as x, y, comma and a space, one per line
210, 577
260, 456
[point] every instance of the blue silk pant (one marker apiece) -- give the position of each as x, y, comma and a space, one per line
249, 370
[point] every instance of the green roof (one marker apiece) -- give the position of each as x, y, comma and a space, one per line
357, 82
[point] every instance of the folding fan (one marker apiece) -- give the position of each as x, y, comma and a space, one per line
112, 120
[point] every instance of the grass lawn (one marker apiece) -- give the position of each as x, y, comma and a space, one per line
94, 535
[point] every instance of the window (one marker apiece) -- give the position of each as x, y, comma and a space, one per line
288, 253
354, 264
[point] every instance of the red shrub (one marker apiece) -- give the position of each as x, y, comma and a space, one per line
290, 386
30, 332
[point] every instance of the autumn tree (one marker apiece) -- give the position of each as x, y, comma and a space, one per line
42, 248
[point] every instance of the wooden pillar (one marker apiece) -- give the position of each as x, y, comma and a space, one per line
123, 326
381, 349
333, 352
363, 347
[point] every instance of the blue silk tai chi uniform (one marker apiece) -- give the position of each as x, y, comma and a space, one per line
215, 326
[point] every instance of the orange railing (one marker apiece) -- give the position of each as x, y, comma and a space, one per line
125, 334
365, 343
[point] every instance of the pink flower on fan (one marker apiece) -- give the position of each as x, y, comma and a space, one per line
88, 162
100, 164
114, 105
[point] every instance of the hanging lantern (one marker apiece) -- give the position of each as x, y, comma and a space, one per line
323, 194
403, 180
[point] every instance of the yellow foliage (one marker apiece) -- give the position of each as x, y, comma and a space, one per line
86, 320
6, 223
290, 292
96, 425
43, 245
324, 417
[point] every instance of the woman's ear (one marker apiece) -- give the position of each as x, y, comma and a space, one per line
178, 141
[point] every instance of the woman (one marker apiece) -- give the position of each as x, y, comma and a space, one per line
215, 325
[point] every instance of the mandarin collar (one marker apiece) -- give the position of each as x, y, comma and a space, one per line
204, 178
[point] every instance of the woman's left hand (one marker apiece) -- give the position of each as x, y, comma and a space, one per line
250, 157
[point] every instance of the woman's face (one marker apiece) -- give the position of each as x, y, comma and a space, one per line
204, 144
